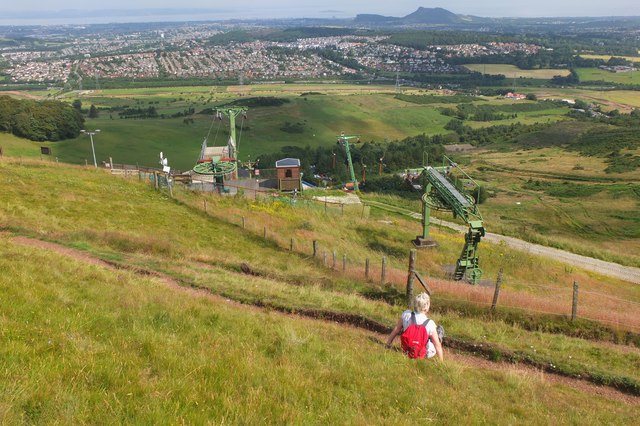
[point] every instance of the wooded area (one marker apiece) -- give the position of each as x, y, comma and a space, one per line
39, 121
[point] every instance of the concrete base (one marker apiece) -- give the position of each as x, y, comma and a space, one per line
420, 242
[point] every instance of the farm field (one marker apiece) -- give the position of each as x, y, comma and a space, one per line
607, 57
123, 336
596, 74
511, 71
623, 100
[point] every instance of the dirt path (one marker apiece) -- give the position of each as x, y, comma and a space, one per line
625, 273
458, 356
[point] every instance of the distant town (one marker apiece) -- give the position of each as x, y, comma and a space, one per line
187, 53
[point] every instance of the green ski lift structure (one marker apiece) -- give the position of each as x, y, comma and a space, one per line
221, 162
344, 141
440, 193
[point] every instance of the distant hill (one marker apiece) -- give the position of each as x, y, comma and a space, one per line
436, 15
423, 15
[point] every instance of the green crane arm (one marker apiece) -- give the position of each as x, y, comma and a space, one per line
441, 194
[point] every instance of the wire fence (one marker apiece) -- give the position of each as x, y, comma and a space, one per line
562, 301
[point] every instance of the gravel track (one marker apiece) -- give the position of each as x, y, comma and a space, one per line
615, 270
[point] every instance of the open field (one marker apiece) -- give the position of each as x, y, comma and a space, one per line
592, 214
607, 57
623, 100
596, 74
321, 118
83, 339
511, 71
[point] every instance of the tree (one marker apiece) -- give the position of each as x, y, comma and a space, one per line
93, 112
77, 104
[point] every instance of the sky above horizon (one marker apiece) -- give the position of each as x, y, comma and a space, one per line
329, 8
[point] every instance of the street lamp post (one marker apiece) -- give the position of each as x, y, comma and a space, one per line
93, 150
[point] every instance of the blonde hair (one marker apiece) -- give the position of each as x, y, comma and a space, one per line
421, 303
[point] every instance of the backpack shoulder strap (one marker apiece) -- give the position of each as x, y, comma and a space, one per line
413, 318
424, 324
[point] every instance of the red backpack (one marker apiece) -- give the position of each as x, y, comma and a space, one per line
414, 339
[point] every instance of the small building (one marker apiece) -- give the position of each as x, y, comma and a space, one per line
289, 175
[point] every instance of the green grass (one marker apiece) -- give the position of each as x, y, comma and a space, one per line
321, 118
596, 74
81, 342
375, 116
607, 57
18, 147
511, 71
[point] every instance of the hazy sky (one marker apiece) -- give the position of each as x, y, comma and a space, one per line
348, 8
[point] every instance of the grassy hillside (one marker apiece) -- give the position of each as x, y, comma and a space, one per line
313, 115
83, 340
81, 343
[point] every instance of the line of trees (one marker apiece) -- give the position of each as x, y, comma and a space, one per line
39, 121
332, 161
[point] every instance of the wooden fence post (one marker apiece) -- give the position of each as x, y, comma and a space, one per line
411, 276
333, 265
265, 233
574, 307
366, 269
243, 224
205, 205
496, 293
291, 245
315, 248
324, 258
344, 263
383, 273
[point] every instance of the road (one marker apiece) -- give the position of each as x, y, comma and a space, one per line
626, 273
